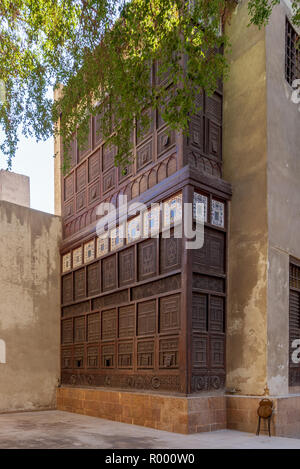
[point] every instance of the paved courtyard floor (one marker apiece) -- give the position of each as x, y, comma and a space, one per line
56, 429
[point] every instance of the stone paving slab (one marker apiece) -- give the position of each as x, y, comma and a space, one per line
61, 430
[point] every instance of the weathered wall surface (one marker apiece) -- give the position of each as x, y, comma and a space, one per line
9, 182
29, 307
245, 167
283, 125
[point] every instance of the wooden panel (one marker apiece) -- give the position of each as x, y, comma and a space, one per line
93, 327
147, 259
199, 312
67, 331
109, 324
126, 321
93, 279
127, 266
144, 155
94, 192
94, 166
170, 254
93, 357
108, 355
216, 314
168, 353
155, 288
109, 180
69, 187
145, 354
109, 273
109, 152
79, 284
80, 178
165, 141
200, 351
125, 354
169, 313
146, 318
217, 351
67, 290
211, 257
79, 329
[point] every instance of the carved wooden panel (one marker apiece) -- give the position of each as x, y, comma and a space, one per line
94, 166
126, 321
77, 257
125, 354
68, 209
79, 284
67, 290
80, 177
92, 357
79, 329
170, 254
168, 353
211, 257
199, 312
66, 262
109, 180
199, 351
143, 130
204, 282
66, 358
196, 136
93, 279
144, 155
109, 273
145, 354
169, 313
93, 327
108, 355
147, 259
94, 192
217, 351
76, 310
127, 266
165, 141
214, 139
213, 106
67, 331
109, 153
109, 324
78, 357
146, 315
81, 201
216, 314
155, 288
69, 187
110, 300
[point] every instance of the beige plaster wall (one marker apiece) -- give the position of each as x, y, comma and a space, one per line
283, 126
245, 167
29, 307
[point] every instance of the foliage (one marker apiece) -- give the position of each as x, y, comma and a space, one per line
99, 52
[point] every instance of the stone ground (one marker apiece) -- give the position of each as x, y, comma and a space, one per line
57, 429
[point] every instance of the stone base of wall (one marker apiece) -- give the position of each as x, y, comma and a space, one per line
171, 413
182, 414
242, 415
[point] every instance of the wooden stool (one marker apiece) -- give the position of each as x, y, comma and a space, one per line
265, 411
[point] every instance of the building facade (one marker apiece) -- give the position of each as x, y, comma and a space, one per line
188, 340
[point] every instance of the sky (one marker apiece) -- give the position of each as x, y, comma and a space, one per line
36, 161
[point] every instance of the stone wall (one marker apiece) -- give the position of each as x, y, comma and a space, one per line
29, 308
